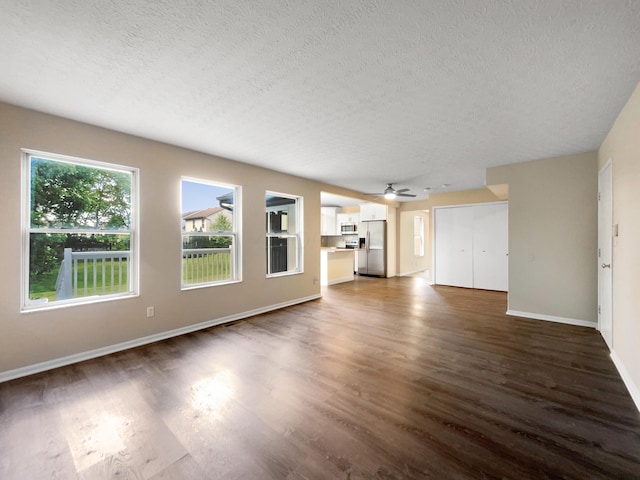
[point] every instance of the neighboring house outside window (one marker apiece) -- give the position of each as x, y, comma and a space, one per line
210, 233
79, 231
202, 220
284, 234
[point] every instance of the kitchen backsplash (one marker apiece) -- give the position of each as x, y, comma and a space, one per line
338, 241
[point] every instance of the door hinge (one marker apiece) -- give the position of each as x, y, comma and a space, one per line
599, 253
598, 196
599, 311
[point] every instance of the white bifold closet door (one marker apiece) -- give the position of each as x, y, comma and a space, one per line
471, 246
454, 246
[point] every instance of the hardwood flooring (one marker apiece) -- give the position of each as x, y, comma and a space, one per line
380, 379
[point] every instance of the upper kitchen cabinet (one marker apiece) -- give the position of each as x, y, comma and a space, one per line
372, 211
348, 218
328, 221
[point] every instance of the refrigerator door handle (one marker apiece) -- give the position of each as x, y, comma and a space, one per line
368, 241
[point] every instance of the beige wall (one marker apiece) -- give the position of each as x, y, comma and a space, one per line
622, 146
407, 261
392, 241
30, 338
462, 197
552, 236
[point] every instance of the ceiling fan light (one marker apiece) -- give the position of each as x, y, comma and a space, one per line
389, 195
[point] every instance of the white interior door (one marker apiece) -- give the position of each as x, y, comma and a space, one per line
605, 241
453, 237
491, 246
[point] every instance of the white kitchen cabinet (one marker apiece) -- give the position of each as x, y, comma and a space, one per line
328, 221
372, 211
348, 218
336, 266
471, 246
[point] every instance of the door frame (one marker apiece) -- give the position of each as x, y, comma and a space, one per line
605, 232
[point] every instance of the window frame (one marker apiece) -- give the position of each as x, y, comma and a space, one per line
236, 220
418, 236
27, 305
298, 235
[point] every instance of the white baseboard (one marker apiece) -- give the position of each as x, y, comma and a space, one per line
551, 318
341, 280
99, 352
634, 390
412, 272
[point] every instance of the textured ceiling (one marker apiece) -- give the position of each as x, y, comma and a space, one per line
354, 93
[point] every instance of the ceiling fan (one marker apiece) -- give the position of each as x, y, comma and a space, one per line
390, 193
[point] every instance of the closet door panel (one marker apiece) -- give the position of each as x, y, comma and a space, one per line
491, 246
453, 246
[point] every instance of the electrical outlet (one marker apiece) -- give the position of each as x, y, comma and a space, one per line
150, 312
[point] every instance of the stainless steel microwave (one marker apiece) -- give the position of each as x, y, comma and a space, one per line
349, 228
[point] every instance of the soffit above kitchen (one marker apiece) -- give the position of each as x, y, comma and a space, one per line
332, 200
355, 94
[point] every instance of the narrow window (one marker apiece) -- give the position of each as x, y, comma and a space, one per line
210, 238
284, 234
418, 236
79, 220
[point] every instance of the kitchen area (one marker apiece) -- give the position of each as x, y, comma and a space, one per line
353, 239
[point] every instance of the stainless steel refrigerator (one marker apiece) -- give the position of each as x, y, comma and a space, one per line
372, 254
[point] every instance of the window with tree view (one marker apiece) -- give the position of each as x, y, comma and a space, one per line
284, 227
79, 236
210, 219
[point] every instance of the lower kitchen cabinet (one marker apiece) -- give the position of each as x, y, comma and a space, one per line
336, 265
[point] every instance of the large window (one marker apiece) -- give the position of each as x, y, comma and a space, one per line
284, 234
79, 240
210, 239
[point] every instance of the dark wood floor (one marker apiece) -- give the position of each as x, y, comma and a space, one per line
380, 379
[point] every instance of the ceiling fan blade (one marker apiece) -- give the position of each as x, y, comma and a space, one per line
400, 192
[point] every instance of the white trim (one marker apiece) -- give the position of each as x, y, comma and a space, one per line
341, 280
27, 305
211, 284
608, 164
298, 234
456, 205
80, 301
412, 272
99, 352
634, 391
552, 318
236, 233
434, 246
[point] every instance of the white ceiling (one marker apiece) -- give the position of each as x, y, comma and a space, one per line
353, 93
